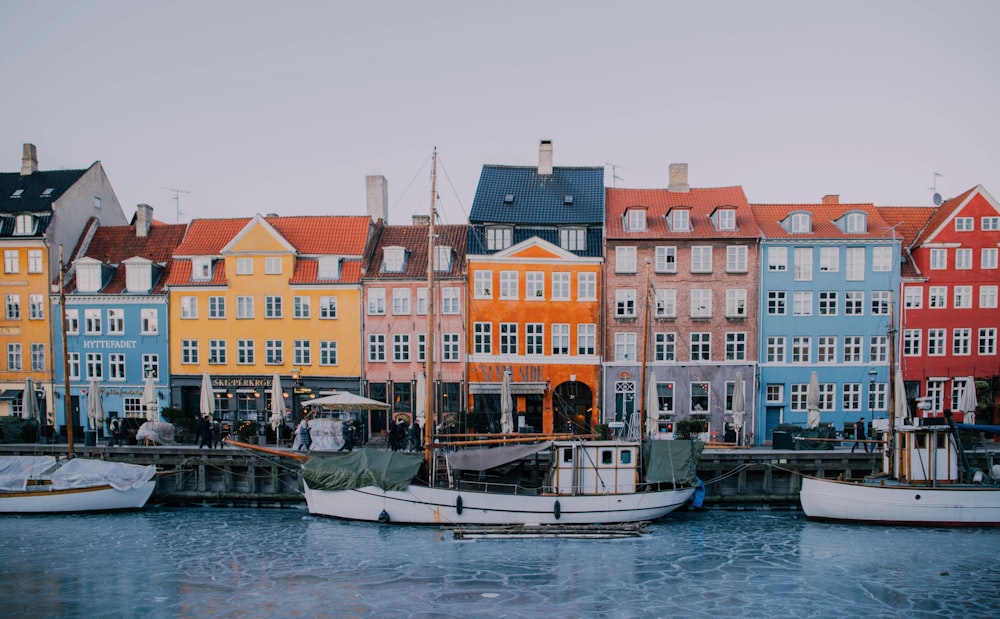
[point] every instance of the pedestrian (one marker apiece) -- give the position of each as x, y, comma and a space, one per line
415, 438
216, 435
305, 438
859, 436
205, 432
116, 432
347, 431
391, 434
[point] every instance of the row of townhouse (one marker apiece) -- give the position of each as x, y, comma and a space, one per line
591, 304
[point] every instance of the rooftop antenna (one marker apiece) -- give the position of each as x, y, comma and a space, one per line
614, 173
177, 201
933, 187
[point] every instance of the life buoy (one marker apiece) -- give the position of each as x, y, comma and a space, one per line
458, 505
557, 510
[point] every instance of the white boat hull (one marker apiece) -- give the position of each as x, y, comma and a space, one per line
895, 503
440, 506
72, 500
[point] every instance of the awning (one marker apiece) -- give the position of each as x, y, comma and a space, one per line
487, 458
11, 394
515, 388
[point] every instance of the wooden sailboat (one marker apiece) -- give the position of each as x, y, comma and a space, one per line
501, 480
927, 480
45, 485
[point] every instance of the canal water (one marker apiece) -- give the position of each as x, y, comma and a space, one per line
226, 562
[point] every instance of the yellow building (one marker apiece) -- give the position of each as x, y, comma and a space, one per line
251, 297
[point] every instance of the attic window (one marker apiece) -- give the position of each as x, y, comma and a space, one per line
393, 259
508, 198
48, 192
17, 193
24, 224
329, 267
635, 220
568, 200
442, 258
725, 219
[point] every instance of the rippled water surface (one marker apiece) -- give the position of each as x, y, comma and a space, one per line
223, 562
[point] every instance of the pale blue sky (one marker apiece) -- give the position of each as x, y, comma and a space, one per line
261, 107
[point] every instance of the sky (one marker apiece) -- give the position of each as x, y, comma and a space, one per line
285, 107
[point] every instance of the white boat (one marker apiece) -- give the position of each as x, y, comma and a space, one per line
548, 483
43, 485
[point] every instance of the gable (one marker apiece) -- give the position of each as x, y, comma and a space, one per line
258, 236
536, 251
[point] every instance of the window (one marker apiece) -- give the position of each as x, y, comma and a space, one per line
881, 259
450, 300
701, 303
586, 286
736, 259
625, 303
664, 346
244, 266
852, 349
534, 285
987, 259
701, 347
854, 303
11, 261
482, 338
508, 285
422, 300
801, 349
798, 397
301, 307
449, 347
987, 296
508, 338
244, 307
442, 258
573, 239
964, 224
376, 301
803, 264
88, 277
666, 259
302, 352
328, 268
498, 238
74, 365
92, 321
189, 307
272, 306
775, 349
701, 259
855, 223
72, 322
935, 342
878, 397
327, 352
189, 351
560, 339
827, 393
560, 286
990, 223
666, 303
97, 202
939, 259
736, 303
800, 223
827, 303
534, 338
911, 342
826, 349
829, 259
855, 264
483, 284
201, 269
401, 347
878, 351
586, 339
961, 342
777, 258
116, 321
776, 302
14, 357
393, 259
624, 346
625, 260
937, 297
963, 297
988, 341
699, 397
774, 394
272, 265
913, 297
36, 308
802, 303
736, 346
38, 357
400, 301
216, 307
635, 220
376, 347
274, 352
935, 391
24, 223
881, 300
680, 221
245, 352
95, 365
216, 352
665, 396
726, 219
327, 308
963, 259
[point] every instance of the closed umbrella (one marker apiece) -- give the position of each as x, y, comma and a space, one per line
652, 407
812, 401
901, 410
149, 399
29, 403
421, 399
277, 405
207, 402
967, 400
506, 405
739, 406
95, 405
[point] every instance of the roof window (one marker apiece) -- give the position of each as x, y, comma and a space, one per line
508, 198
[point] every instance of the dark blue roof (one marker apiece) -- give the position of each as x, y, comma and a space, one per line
539, 199
477, 240
33, 197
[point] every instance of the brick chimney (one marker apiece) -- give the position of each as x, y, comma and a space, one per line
377, 197
143, 220
831, 198
545, 158
421, 220
29, 160
679, 178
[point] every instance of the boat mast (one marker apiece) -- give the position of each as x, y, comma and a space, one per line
890, 446
645, 346
65, 356
429, 417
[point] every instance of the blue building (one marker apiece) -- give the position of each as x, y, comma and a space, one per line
117, 320
829, 278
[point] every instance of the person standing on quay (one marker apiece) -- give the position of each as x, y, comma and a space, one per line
860, 436
205, 432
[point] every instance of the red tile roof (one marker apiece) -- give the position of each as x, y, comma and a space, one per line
114, 244
658, 202
306, 271
317, 235
770, 216
414, 239
942, 214
908, 222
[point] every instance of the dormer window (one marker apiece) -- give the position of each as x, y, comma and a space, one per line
855, 223
329, 267
201, 268
442, 258
679, 220
573, 239
88, 276
635, 220
24, 224
498, 238
508, 199
138, 275
393, 259
799, 223
725, 219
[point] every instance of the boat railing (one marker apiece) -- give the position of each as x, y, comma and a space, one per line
493, 487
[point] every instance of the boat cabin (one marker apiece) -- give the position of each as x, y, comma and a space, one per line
594, 467
925, 454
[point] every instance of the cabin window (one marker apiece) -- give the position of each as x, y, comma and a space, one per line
607, 457
567, 454
626, 456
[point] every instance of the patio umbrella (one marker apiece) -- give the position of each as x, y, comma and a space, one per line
348, 402
421, 399
967, 400
812, 401
652, 407
95, 405
506, 405
739, 405
277, 404
149, 400
29, 403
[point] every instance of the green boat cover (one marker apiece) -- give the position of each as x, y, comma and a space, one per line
674, 461
389, 470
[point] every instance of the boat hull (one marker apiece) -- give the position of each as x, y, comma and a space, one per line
445, 506
902, 504
74, 500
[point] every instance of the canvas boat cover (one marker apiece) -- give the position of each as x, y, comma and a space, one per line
672, 461
84, 473
157, 431
489, 457
389, 470
15, 471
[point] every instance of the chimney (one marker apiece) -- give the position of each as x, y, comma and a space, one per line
143, 219
422, 220
679, 178
377, 197
545, 158
831, 198
29, 160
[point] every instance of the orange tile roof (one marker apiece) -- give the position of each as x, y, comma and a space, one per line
941, 215
319, 235
207, 237
770, 216
306, 271
658, 202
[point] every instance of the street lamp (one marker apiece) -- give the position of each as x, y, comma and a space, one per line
296, 377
